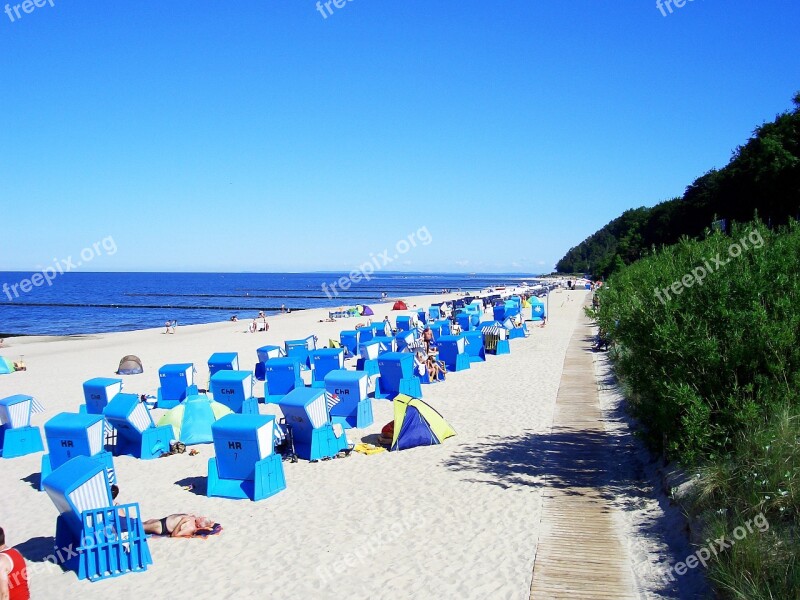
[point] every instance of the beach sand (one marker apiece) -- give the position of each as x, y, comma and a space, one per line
458, 520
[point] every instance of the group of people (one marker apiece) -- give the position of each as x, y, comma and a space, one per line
170, 326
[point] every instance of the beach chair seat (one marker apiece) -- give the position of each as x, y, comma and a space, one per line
108, 541
301, 349
349, 405
367, 362
282, 376
315, 438
137, 434
222, 361
495, 339
397, 375
351, 339
386, 344
452, 352
404, 340
98, 392
234, 389
405, 323
74, 434
17, 436
323, 361
440, 328
475, 349
246, 465
264, 354
176, 383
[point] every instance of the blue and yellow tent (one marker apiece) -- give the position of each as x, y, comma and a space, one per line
417, 423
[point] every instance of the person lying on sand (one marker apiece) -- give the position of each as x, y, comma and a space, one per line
181, 525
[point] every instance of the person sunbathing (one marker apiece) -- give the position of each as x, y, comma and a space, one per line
179, 525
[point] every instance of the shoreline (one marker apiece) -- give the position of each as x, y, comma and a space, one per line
416, 300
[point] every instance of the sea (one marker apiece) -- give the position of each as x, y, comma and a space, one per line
85, 303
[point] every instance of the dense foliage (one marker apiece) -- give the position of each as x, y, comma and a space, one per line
719, 355
706, 336
762, 179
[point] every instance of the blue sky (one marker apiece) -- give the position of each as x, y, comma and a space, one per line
257, 135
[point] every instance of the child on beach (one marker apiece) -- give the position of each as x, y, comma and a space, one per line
13, 572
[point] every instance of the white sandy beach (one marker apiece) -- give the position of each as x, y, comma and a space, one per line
459, 520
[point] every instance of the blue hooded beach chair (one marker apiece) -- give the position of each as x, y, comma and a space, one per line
246, 465
397, 376
315, 438
177, 382
137, 434
17, 436
325, 360
104, 540
69, 435
234, 389
348, 398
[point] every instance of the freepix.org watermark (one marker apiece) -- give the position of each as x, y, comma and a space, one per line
375, 263
28, 6
60, 266
665, 6
325, 9
61, 556
714, 547
699, 273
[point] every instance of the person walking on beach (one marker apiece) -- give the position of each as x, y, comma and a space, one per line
13, 573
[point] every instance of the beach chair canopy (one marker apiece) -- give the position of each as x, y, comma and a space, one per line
130, 365
192, 419
399, 305
417, 423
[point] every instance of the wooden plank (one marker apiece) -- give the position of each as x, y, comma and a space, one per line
579, 554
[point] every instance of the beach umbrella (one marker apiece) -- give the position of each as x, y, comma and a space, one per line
192, 419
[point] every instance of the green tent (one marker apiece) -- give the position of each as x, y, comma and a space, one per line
192, 419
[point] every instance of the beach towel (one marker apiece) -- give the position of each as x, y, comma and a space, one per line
368, 449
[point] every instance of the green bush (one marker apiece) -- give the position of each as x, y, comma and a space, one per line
712, 375
720, 356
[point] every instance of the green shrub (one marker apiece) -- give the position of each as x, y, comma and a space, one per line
719, 357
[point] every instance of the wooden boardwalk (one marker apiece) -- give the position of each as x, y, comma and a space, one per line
580, 554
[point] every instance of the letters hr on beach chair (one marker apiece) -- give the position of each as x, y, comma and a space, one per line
69, 435
246, 465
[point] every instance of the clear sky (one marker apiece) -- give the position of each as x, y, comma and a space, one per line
258, 135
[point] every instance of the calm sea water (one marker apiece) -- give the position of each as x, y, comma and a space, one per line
78, 303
